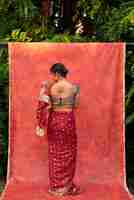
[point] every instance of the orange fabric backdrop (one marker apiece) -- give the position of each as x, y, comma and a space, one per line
98, 68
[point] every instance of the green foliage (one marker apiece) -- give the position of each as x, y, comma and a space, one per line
120, 23
66, 38
17, 20
1, 188
4, 110
129, 112
28, 32
18, 35
91, 8
112, 22
26, 8
22, 21
129, 106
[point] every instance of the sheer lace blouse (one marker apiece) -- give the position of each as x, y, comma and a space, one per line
58, 101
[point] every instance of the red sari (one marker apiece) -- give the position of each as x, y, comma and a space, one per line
62, 143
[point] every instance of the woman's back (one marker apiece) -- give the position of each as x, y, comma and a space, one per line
63, 95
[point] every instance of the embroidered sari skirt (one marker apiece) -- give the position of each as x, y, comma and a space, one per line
62, 149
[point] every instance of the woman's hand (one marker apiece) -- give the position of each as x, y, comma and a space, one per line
40, 131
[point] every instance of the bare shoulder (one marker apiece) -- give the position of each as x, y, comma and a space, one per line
47, 83
74, 86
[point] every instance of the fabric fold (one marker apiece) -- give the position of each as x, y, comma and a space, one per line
42, 111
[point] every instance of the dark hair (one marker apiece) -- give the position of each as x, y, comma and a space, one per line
59, 68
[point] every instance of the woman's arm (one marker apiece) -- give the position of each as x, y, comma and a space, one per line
77, 100
77, 96
42, 108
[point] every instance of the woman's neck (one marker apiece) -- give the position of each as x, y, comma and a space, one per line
61, 79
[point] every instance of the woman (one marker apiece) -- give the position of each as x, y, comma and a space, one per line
55, 114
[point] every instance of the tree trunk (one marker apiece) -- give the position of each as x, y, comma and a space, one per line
67, 12
45, 7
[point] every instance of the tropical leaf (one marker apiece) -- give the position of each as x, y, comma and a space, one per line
129, 95
26, 8
130, 119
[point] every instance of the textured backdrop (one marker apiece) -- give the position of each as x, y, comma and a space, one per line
99, 69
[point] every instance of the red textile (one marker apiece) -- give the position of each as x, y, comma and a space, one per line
100, 169
42, 114
62, 148
42, 111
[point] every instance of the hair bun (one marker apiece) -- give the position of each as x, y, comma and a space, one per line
59, 68
65, 70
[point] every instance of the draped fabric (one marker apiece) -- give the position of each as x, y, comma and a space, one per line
100, 169
43, 105
62, 141
62, 150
